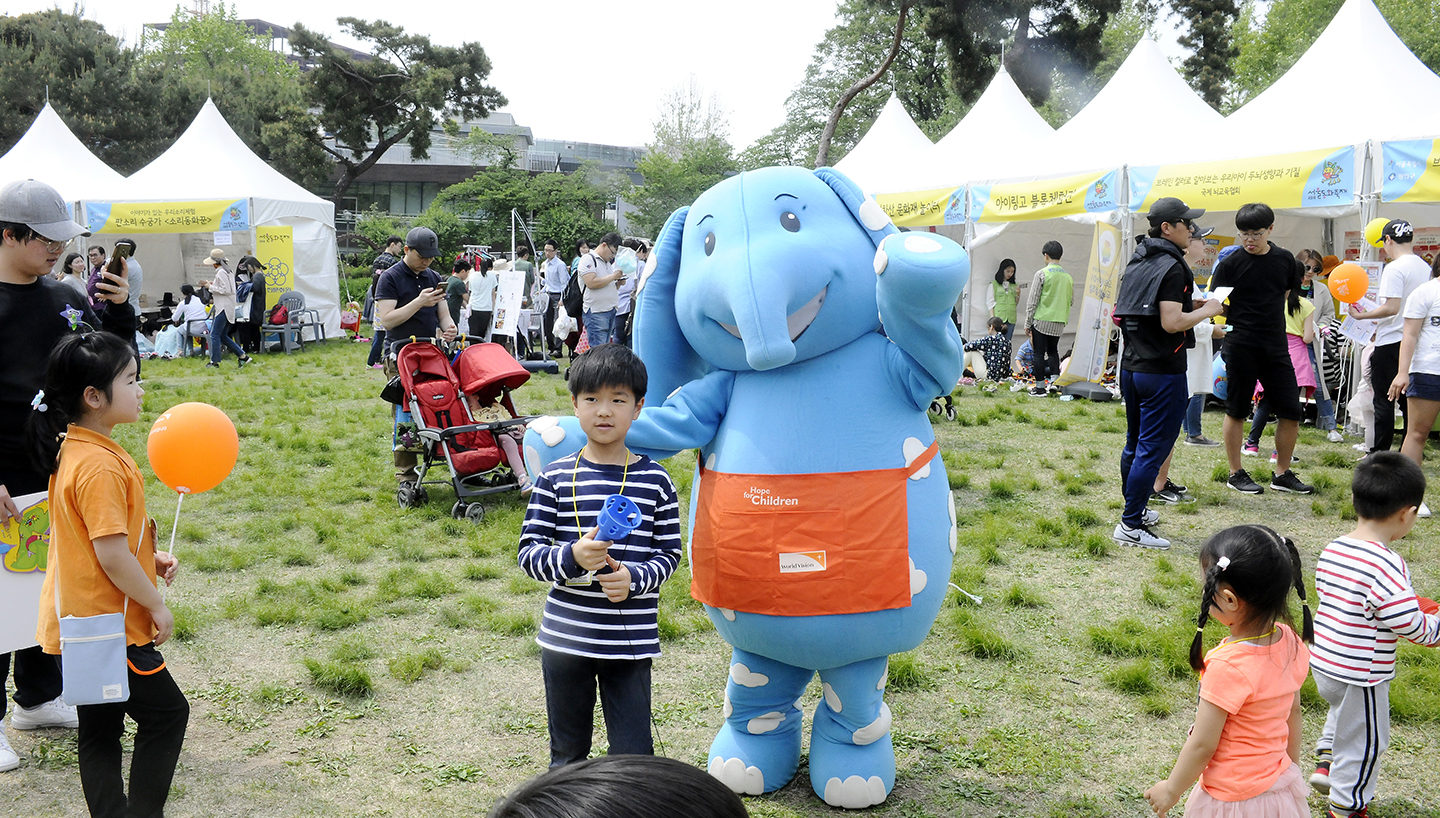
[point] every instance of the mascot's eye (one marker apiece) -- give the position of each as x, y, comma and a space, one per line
790, 222
709, 243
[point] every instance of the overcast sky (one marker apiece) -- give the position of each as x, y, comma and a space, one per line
574, 69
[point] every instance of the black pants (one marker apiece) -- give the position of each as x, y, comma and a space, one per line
37, 678
480, 322
552, 306
570, 705
160, 713
1384, 365
248, 334
1047, 354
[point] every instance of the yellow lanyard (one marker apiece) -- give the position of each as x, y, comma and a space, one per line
1224, 643
574, 486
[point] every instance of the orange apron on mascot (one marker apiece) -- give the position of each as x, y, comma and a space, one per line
803, 544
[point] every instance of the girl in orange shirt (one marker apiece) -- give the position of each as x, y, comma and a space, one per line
102, 546
1245, 744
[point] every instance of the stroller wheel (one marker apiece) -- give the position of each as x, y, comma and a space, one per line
475, 513
934, 407
950, 413
421, 496
405, 495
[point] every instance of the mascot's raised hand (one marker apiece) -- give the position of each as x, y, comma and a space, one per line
796, 338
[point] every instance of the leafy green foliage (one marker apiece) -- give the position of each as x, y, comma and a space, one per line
568, 207
339, 677
400, 93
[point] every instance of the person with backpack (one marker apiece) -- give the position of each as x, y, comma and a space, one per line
601, 290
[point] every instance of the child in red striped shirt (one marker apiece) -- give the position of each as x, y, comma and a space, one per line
1366, 602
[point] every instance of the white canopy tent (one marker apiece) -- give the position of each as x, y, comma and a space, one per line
1002, 129
50, 152
891, 148
210, 164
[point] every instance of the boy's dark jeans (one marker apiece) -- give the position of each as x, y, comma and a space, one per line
160, 713
570, 705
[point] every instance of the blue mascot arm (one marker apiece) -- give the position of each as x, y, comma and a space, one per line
921, 276
688, 419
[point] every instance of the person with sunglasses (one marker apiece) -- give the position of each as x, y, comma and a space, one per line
35, 313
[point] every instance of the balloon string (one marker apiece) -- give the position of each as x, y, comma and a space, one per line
173, 527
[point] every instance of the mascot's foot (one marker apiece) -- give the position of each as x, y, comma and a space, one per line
754, 764
852, 776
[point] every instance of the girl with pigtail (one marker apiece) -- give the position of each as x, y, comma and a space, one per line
103, 558
1245, 742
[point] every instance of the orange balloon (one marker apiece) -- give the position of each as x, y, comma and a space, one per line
1349, 283
193, 447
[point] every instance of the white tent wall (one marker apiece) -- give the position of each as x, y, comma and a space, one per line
893, 147
1021, 242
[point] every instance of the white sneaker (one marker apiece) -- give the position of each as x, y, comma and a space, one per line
1335, 436
1424, 510
9, 760
1149, 516
1141, 536
54, 713
1361, 447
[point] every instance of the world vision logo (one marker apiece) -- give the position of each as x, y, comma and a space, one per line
1101, 189
234, 212
802, 562
1331, 173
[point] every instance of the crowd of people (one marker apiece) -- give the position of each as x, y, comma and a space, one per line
74, 349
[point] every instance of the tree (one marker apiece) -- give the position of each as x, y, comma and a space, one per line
689, 154
1211, 45
565, 207
1268, 45
847, 53
372, 105
216, 56
1040, 40
95, 83
822, 152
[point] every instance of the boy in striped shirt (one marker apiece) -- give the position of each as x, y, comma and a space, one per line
1366, 601
599, 622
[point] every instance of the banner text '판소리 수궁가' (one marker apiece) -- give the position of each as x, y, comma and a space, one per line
1410, 171
924, 208
1046, 198
1322, 178
167, 217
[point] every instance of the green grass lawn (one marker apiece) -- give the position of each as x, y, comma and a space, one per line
346, 658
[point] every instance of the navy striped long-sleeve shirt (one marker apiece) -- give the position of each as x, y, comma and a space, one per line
565, 504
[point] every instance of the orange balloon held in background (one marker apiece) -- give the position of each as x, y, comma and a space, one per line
193, 447
1349, 283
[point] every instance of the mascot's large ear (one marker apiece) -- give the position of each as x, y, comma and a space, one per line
864, 208
670, 362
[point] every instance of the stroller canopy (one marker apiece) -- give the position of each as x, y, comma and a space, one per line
484, 369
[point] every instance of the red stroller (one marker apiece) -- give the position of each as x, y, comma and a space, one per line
435, 398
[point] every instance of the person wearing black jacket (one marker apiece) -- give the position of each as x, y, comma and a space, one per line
1157, 308
36, 311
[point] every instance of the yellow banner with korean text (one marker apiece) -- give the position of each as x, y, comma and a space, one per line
167, 217
1046, 198
275, 248
1092, 334
1320, 178
924, 208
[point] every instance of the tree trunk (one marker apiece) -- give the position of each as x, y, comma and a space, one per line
822, 153
352, 170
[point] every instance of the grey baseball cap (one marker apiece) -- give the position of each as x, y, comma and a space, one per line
40, 208
423, 241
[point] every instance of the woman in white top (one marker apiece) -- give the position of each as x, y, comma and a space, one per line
75, 272
482, 297
1419, 376
223, 289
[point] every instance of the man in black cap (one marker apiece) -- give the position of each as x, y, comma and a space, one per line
1401, 276
410, 302
36, 311
1157, 308
1256, 349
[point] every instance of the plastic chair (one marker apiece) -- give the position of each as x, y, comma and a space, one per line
308, 318
290, 333
195, 328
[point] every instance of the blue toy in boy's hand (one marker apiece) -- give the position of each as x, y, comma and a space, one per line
618, 518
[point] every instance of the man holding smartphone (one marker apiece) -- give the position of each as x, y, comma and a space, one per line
410, 302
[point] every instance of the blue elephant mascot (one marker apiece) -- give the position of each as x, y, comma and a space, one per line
795, 338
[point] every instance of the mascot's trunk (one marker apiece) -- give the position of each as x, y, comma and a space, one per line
760, 304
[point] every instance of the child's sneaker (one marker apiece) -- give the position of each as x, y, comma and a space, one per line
1320, 779
1275, 456
1331, 812
1250, 450
54, 713
1335, 437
